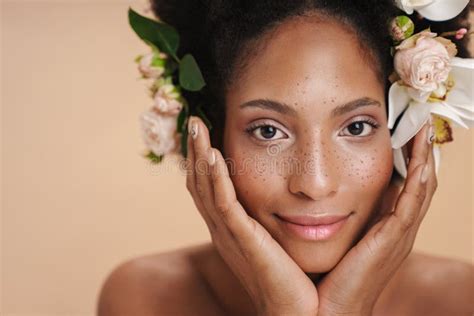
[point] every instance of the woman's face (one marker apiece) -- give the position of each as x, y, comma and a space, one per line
300, 143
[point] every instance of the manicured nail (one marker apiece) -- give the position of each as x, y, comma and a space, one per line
424, 174
211, 156
194, 128
430, 136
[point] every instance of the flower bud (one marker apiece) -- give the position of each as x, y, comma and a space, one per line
151, 65
401, 28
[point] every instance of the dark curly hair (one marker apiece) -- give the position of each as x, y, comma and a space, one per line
224, 34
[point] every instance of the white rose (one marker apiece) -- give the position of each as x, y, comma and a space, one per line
159, 132
424, 65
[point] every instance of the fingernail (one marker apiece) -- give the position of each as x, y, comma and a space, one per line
430, 136
211, 156
424, 174
194, 128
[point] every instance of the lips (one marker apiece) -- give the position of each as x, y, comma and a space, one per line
313, 228
309, 220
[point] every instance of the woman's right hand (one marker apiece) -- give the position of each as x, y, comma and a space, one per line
275, 283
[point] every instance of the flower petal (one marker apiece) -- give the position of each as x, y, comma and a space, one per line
466, 114
418, 95
411, 122
399, 162
398, 99
462, 62
461, 97
401, 6
442, 10
445, 111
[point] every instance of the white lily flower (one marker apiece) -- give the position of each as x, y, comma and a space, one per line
457, 107
434, 10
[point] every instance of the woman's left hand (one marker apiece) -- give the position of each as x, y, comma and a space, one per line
355, 283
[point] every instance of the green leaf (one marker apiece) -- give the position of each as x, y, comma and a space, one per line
138, 58
204, 117
154, 158
190, 76
184, 139
181, 120
163, 36
158, 62
170, 68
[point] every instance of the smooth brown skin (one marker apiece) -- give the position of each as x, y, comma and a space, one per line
349, 174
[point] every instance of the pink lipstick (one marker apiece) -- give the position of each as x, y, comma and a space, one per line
313, 228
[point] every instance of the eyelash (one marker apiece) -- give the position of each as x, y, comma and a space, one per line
256, 126
369, 121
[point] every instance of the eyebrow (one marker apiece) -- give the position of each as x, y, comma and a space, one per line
283, 108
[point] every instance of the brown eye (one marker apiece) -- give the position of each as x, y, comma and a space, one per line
356, 128
265, 132
361, 128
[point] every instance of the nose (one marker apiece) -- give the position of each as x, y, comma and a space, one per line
315, 176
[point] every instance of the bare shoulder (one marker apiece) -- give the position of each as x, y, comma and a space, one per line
156, 284
436, 285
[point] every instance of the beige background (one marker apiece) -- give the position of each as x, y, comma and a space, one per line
77, 198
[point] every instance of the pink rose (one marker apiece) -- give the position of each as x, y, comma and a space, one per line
151, 66
166, 100
159, 132
422, 62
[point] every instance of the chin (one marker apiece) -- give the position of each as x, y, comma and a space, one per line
318, 257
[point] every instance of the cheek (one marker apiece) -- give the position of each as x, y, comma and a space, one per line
255, 179
368, 172
370, 168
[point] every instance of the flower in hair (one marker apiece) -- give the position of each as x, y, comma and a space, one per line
429, 82
422, 64
159, 133
166, 96
434, 10
151, 65
402, 28
163, 126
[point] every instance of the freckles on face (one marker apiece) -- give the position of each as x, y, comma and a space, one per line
368, 168
257, 177
313, 75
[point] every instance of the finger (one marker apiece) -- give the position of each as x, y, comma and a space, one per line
191, 181
203, 177
386, 205
431, 186
419, 148
408, 206
419, 151
227, 206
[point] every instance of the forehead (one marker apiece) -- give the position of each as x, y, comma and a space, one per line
304, 61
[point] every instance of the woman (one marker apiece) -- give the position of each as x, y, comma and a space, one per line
304, 89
